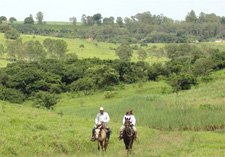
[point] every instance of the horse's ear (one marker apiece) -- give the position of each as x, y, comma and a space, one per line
129, 118
125, 118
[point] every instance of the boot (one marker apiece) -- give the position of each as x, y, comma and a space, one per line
93, 139
120, 137
135, 136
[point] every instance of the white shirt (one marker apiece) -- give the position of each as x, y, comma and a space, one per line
132, 119
102, 117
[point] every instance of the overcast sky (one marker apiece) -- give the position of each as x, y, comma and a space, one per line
62, 10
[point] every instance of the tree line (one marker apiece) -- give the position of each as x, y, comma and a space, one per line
43, 80
140, 28
33, 50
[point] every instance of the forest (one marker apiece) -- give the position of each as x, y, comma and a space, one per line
141, 28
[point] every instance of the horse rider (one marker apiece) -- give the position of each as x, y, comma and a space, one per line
130, 115
102, 118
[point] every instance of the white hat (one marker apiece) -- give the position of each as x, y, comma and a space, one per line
101, 109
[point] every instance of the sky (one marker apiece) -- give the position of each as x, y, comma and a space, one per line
62, 10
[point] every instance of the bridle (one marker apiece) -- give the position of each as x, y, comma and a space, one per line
128, 128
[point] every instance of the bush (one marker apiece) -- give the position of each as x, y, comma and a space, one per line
110, 94
11, 95
12, 34
44, 99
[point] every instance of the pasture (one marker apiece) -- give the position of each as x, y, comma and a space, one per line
66, 130
104, 50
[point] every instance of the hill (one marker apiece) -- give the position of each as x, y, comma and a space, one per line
91, 48
66, 131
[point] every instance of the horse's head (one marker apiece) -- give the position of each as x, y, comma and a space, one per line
127, 122
97, 131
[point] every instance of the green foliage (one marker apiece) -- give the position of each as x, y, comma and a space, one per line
29, 20
142, 55
203, 66
2, 50
124, 52
83, 84
44, 99
110, 94
11, 95
39, 17
182, 81
12, 19
12, 34
3, 18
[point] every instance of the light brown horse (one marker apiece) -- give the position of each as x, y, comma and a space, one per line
128, 135
100, 136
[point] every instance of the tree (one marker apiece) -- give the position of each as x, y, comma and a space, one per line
12, 34
90, 21
182, 81
2, 50
60, 48
97, 18
203, 66
73, 20
29, 20
3, 18
13, 47
84, 19
191, 17
12, 19
111, 19
34, 51
119, 21
124, 52
82, 47
142, 55
49, 45
39, 17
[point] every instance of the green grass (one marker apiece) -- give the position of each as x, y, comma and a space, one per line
201, 108
27, 131
91, 49
66, 131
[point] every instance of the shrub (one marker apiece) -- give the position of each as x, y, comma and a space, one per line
11, 95
44, 99
110, 94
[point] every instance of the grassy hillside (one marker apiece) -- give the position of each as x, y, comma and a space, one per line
104, 50
91, 48
66, 131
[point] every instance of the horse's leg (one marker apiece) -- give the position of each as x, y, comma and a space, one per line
101, 144
130, 145
98, 145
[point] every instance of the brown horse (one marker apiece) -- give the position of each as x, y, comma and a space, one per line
100, 136
128, 135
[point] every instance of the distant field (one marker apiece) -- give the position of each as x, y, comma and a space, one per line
91, 49
104, 50
50, 23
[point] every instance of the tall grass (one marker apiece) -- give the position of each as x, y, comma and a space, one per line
198, 109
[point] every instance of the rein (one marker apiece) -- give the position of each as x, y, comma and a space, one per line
128, 130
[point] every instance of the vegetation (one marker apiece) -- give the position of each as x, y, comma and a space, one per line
65, 131
140, 28
51, 88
